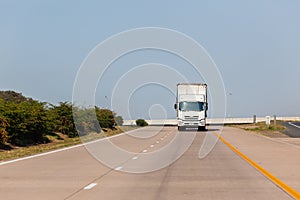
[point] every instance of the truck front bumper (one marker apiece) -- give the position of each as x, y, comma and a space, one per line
188, 123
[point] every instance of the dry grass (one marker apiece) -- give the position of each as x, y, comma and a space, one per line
262, 129
58, 141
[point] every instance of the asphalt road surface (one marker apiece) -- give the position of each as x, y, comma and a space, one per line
76, 174
292, 129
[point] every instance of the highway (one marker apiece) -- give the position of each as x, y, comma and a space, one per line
74, 173
292, 129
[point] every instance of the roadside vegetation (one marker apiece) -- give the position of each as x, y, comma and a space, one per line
263, 129
28, 126
141, 122
57, 141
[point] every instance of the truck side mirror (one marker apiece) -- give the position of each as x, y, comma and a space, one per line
175, 106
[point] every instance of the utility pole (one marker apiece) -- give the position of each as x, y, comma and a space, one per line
254, 119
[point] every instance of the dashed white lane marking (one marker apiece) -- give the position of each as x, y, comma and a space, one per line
118, 168
290, 123
152, 145
144, 151
90, 186
135, 157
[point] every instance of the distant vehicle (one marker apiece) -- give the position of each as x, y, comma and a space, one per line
191, 106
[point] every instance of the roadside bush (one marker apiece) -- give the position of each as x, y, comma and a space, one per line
3, 132
85, 120
25, 122
105, 118
119, 120
62, 119
141, 122
13, 96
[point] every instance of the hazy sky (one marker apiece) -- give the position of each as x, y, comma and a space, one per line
255, 44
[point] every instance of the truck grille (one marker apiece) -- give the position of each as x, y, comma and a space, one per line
191, 118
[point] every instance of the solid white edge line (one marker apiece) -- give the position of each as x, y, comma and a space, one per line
90, 186
290, 123
118, 168
41, 154
63, 149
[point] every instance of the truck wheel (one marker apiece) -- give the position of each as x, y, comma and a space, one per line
202, 128
181, 128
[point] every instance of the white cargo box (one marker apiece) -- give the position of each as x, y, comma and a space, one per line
191, 92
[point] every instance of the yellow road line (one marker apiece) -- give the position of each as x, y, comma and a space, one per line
292, 192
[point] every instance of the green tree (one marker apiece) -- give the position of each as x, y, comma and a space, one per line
105, 118
13, 96
24, 121
119, 120
63, 119
3, 132
141, 122
86, 121
27, 122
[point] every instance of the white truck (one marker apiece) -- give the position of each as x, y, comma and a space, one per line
191, 106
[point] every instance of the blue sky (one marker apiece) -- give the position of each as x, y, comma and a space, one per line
255, 45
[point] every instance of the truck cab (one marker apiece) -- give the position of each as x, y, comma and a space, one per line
191, 106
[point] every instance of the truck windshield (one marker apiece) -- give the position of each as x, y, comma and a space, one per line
191, 106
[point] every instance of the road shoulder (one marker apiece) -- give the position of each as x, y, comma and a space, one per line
279, 157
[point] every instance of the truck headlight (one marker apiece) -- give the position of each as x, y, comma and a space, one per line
180, 122
202, 122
